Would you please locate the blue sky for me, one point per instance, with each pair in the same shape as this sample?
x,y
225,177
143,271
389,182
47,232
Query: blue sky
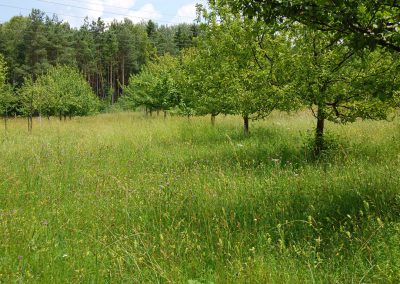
x,y
74,11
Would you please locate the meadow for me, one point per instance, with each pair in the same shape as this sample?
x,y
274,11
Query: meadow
x,y
124,198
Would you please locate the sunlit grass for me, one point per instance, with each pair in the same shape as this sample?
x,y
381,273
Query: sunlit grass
x,y
127,198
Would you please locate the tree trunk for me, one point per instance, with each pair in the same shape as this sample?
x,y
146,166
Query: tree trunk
x,y
5,121
123,71
112,84
319,133
246,124
213,117
109,75
165,114
30,121
102,84
97,85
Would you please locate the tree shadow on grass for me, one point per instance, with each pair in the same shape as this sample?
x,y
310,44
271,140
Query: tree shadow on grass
x,y
264,148
344,219
273,147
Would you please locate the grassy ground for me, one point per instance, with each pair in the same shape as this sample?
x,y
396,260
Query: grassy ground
x,y
123,198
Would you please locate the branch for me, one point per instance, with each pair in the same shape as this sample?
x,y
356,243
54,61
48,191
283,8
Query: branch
x,y
256,59
347,57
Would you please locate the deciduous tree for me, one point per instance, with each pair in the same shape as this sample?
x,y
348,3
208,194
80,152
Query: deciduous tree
x,y
7,98
341,84
367,23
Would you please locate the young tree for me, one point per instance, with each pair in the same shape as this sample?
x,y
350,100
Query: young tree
x,y
202,86
153,88
7,98
62,92
28,100
70,92
233,70
340,84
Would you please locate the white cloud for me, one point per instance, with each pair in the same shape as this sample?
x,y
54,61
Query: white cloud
x,y
74,11
106,9
188,13
185,14
93,10
110,10
120,3
145,13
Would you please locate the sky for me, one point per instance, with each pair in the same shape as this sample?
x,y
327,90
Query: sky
x,y
74,11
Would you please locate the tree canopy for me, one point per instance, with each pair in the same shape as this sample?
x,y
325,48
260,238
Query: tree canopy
x,y
62,92
7,98
234,70
154,87
368,23
339,84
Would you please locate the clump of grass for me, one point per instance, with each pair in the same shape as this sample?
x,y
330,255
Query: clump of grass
x,y
122,198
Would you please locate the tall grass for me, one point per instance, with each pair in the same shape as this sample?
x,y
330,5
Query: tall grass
x,y
124,198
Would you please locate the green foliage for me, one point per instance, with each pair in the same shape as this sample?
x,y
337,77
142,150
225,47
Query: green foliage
x,y
154,88
346,84
3,72
13,48
185,35
235,70
368,23
28,100
244,67
7,98
171,39
62,92
106,54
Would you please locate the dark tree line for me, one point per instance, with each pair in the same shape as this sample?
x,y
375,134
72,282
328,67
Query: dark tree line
x,y
106,54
